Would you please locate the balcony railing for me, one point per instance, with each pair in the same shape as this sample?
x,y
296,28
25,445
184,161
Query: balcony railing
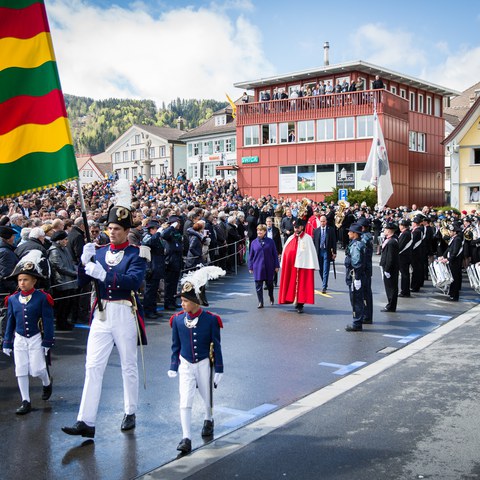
x,y
322,106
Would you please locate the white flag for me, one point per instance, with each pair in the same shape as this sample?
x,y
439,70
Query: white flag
x,y
377,170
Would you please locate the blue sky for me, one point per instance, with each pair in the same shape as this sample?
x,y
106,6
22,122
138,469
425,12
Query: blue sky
x,y
163,50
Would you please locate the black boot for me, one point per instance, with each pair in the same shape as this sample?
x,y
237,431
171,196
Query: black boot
x,y
24,408
47,391
185,445
128,422
207,430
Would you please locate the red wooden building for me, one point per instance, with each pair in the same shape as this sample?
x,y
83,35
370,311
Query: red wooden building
x,y
299,146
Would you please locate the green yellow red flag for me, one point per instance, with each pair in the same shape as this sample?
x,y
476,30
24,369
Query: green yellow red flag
x,y
36,147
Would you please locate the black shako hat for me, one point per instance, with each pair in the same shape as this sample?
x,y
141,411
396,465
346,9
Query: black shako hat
x,y
120,213
299,222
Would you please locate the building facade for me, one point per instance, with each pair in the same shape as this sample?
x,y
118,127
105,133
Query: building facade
x,y
211,147
90,170
299,145
148,151
463,147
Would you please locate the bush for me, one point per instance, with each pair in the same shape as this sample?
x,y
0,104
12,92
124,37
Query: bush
x,y
369,195
445,208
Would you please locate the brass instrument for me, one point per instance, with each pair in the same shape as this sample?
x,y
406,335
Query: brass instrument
x,y
302,209
340,213
468,234
444,230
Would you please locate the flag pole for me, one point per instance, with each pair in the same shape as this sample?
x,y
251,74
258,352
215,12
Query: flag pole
x,y
89,239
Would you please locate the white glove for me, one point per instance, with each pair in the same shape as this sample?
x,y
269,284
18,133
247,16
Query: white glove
x,y
387,275
95,270
172,373
87,253
357,284
45,350
217,378
174,224
7,351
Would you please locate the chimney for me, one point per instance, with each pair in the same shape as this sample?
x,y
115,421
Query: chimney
x,y
180,123
326,47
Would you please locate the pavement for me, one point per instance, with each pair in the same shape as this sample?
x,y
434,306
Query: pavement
x,y
411,415
300,398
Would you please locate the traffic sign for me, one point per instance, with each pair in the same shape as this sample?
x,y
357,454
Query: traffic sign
x,y
342,194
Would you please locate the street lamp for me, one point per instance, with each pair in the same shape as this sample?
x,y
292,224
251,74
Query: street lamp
x,y
343,176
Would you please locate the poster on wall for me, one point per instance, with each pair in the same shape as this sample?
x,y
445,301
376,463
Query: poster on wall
x,y
306,179
288,182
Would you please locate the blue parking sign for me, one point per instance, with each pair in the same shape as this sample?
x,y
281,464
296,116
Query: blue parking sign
x,y
342,194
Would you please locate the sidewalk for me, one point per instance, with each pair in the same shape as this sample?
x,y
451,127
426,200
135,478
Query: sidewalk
x,y
412,414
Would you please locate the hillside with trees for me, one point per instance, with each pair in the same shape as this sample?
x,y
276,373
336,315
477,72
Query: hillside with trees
x,y
97,123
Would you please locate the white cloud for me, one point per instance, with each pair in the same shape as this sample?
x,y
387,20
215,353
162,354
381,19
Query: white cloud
x,y
383,46
185,52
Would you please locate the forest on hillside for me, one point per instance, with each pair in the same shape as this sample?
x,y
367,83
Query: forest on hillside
x,y
96,124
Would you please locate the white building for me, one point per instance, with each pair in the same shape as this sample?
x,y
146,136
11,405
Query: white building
x,y
148,151
212,147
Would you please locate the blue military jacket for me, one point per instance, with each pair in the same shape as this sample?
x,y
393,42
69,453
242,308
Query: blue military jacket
x,y
24,311
355,260
367,240
193,344
125,273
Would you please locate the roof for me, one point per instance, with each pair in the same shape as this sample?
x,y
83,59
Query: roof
x,y
466,122
102,167
209,127
451,119
459,106
168,133
343,68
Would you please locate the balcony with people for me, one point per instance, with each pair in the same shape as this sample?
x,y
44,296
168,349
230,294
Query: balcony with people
x,y
308,105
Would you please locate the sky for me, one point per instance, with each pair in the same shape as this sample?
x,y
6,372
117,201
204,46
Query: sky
x,y
161,50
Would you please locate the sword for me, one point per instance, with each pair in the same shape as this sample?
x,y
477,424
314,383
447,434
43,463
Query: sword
x,y
211,357
334,268
139,335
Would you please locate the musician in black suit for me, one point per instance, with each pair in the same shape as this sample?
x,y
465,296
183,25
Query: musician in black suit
x,y
454,256
418,254
389,261
324,239
274,233
405,243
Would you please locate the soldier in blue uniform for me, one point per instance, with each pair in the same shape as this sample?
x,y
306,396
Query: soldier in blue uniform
x,y
195,340
367,240
355,276
29,312
119,270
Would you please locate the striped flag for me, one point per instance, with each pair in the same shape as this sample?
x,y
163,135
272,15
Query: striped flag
x,y
232,104
36,147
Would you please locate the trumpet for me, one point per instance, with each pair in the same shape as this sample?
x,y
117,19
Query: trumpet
x,y
340,214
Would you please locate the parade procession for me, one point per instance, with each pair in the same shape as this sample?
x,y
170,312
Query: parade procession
x,y
223,293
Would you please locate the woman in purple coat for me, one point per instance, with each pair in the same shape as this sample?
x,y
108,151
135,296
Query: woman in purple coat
x,y
263,263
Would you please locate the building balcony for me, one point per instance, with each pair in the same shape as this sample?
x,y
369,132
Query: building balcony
x,y
322,106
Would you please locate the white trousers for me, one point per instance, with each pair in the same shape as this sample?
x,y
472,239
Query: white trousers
x,y
191,375
29,357
118,328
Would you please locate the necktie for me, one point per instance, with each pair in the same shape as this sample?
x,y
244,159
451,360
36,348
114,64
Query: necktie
x,y
322,239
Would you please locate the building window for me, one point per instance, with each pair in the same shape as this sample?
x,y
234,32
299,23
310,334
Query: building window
x,y
420,103
345,128
117,157
287,132
196,149
476,156
421,142
325,129
152,170
250,135
152,152
189,149
365,126
437,107
230,145
403,93
220,120
136,139
143,151
163,151
429,105
125,173
269,133
412,101
208,147
125,156
412,141
306,131
393,90
134,172
133,156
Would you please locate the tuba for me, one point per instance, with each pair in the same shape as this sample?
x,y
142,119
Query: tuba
x,y
302,209
340,214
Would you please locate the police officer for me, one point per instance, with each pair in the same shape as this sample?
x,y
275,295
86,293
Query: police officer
x,y
367,240
405,256
355,276
389,261
119,270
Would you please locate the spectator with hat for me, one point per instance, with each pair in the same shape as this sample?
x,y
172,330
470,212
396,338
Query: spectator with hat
x,y
64,274
389,262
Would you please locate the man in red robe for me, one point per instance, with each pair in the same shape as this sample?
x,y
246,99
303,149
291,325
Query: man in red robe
x,y
299,262
313,221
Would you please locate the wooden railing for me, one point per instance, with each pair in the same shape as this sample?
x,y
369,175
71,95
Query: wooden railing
x,y
321,106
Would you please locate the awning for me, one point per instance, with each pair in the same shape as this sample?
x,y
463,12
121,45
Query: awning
x,y
226,167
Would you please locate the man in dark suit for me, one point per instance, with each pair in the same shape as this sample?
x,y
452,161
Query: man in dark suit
x,y
325,243
274,233
405,243
389,261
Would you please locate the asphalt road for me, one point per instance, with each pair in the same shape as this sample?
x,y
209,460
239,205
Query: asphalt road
x,y
273,357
